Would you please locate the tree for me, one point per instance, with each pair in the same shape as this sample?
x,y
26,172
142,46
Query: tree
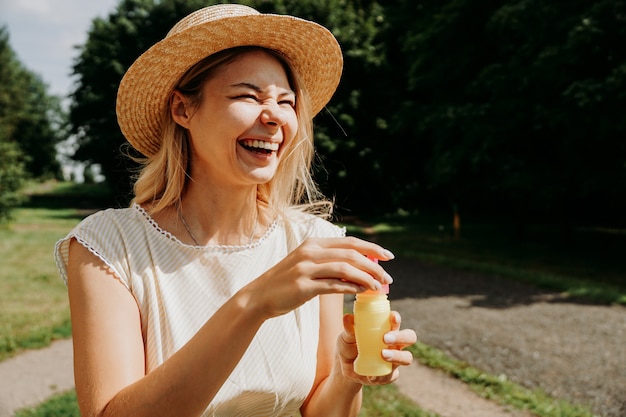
x,y
518,105
14,105
30,118
12,176
112,46
114,43
40,128
508,107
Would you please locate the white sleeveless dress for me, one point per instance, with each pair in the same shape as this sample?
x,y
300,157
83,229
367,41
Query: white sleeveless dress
x,y
178,287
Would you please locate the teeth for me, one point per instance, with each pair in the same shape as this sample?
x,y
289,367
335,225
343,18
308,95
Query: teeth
x,y
271,146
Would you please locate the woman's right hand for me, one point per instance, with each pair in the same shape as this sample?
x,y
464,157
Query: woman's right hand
x,y
319,266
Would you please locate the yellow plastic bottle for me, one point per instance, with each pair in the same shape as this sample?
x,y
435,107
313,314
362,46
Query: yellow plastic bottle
x,y
372,312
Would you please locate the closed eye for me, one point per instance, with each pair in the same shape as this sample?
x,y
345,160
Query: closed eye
x,y
291,103
245,97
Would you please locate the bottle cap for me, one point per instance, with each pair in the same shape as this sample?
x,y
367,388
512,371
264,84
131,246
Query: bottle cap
x,y
384,289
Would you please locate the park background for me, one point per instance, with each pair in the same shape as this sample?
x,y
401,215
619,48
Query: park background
x,y
486,132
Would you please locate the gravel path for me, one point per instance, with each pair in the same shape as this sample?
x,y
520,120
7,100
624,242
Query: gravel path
x,y
572,350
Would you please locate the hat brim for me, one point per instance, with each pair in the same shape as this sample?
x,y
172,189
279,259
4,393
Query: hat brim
x,y
311,50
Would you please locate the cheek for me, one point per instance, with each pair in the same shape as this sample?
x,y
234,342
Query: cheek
x,y
291,127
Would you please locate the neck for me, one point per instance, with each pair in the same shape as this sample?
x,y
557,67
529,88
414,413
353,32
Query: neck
x,y
219,218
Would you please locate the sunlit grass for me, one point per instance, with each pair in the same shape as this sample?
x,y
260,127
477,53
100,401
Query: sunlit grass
x,y
387,401
588,265
62,405
33,297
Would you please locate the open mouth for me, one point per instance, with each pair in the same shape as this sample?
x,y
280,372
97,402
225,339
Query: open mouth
x,y
259,146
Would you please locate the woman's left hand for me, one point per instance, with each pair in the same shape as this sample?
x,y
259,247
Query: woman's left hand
x,y
396,341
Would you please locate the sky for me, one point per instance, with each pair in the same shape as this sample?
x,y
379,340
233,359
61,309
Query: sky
x,y
44,33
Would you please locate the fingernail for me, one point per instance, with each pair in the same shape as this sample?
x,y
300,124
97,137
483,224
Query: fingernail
x,y
389,338
388,254
387,354
377,286
388,278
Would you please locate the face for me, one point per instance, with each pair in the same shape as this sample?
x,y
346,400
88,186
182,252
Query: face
x,y
245,120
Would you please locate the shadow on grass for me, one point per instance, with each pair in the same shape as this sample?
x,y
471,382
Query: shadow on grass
x,y
494,269
82,199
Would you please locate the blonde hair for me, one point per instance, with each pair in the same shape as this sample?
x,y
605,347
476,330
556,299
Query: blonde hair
x,y
163,177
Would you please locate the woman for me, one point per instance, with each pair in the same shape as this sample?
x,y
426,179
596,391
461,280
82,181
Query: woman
x,y
218,292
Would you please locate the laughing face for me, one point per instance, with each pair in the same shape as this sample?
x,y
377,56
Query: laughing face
x,y
245,120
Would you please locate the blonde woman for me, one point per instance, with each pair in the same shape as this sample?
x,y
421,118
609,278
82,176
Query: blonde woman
x,y
219,292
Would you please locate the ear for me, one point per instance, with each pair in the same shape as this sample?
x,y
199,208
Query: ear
x,y
179,109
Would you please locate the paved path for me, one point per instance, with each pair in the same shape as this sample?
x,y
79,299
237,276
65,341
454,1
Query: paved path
x,y
34,376
433,390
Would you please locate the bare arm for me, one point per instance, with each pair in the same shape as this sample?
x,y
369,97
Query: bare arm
x,y
109,351
332,394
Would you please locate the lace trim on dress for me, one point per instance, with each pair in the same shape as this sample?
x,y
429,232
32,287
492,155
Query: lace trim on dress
x,y
61,264
216,248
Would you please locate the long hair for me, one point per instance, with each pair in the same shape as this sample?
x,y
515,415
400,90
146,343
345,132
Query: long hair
x,y
163,177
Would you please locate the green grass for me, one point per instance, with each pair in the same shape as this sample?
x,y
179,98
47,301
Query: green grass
x,y
33,297
62,405
588,264
387,401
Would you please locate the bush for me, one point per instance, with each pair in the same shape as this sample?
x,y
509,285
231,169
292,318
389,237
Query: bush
x,y
12,176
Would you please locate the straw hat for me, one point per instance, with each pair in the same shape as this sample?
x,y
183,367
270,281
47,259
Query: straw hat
x,y
143,95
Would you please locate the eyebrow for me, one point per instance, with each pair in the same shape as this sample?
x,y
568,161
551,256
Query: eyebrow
x,y
259,89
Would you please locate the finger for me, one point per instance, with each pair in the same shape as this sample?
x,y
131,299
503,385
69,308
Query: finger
x,y
364,247
400,339
348,326
361,264
347,342
352,264
353,243
382,380
395,320
345,271
334,285
398,357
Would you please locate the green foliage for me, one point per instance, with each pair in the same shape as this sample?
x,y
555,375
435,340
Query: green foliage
x,y
63,405
29,116
12,176
517,105
112,46
499,107
588,266
32,295
385,400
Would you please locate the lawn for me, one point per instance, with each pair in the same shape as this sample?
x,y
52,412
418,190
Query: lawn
x,y
585,262
33,297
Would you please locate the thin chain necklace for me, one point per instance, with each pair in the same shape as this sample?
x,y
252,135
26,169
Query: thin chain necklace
x,y
188,229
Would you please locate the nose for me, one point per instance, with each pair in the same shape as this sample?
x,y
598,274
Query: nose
x,y
273,115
